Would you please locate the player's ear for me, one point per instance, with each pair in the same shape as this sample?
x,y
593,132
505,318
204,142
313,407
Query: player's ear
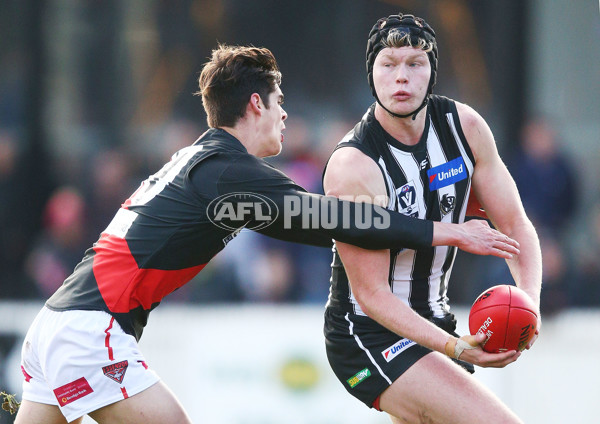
x,y
256,104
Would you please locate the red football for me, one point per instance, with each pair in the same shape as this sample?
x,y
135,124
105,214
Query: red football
x,y
507,315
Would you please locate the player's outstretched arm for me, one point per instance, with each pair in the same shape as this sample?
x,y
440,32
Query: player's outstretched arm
x,y
313,219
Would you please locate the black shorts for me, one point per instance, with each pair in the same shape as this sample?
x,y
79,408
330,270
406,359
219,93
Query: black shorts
x,y
367,358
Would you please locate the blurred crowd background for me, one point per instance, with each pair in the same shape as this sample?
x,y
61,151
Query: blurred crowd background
x,y
96,95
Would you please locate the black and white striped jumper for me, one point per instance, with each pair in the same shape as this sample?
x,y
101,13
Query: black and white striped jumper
x,y
429,180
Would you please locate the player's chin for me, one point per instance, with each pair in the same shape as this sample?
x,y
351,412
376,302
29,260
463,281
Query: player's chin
x,y
274,150
403,108
278,147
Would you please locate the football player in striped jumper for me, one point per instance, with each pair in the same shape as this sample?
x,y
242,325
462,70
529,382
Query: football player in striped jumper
x,y
390,335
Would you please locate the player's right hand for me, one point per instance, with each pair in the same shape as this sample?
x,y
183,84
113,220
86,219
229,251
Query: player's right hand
x,y
479,238
479,357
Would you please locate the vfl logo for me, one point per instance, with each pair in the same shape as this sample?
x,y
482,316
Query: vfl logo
x,y
407,200
447,204
116,372
234,211
447,173
396,349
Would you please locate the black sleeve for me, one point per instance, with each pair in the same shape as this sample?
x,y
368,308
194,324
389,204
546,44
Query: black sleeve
x,y
285,211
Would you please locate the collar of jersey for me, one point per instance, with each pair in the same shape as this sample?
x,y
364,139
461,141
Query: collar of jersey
x,y
422,144
222,137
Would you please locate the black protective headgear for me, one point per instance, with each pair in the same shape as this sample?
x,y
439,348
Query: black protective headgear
x,y
408,24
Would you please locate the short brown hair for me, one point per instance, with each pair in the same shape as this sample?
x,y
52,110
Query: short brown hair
x,y
231,76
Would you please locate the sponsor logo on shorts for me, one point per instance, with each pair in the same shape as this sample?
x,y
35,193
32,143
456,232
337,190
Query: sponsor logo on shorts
x,y
396,349
116,372
447,173
359,377
72,391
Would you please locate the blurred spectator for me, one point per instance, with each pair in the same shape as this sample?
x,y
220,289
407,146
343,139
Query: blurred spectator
x,y
61,244
545,177
111,184
585,290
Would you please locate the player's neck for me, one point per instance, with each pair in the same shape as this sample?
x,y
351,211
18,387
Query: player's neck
x,y
244,133
405,130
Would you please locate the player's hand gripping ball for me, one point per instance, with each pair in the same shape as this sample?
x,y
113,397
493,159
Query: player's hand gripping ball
x,y
506,315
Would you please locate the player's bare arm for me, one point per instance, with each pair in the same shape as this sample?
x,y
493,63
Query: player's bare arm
x,y
367,270
498,194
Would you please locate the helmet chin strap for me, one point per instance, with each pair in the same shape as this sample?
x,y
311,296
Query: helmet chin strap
x,y
397,115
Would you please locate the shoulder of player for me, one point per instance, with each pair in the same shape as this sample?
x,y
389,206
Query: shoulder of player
x,y
476,130
349,170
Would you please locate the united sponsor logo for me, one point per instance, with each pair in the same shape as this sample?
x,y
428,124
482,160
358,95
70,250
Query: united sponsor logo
x,y
116,372
72,391
396,349
447,173
358,378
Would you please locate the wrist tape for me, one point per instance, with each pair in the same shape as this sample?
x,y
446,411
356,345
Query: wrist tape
x,y
455,347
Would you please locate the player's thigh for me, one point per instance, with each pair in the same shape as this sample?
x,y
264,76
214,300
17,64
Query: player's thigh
x,y
34,413
435,390
155,405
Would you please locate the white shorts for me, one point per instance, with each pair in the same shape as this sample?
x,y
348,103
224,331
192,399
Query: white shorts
x,y
81,361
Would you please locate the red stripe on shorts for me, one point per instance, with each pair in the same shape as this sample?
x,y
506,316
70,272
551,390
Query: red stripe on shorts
x,y
107,340
376,403
28,377
125,395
